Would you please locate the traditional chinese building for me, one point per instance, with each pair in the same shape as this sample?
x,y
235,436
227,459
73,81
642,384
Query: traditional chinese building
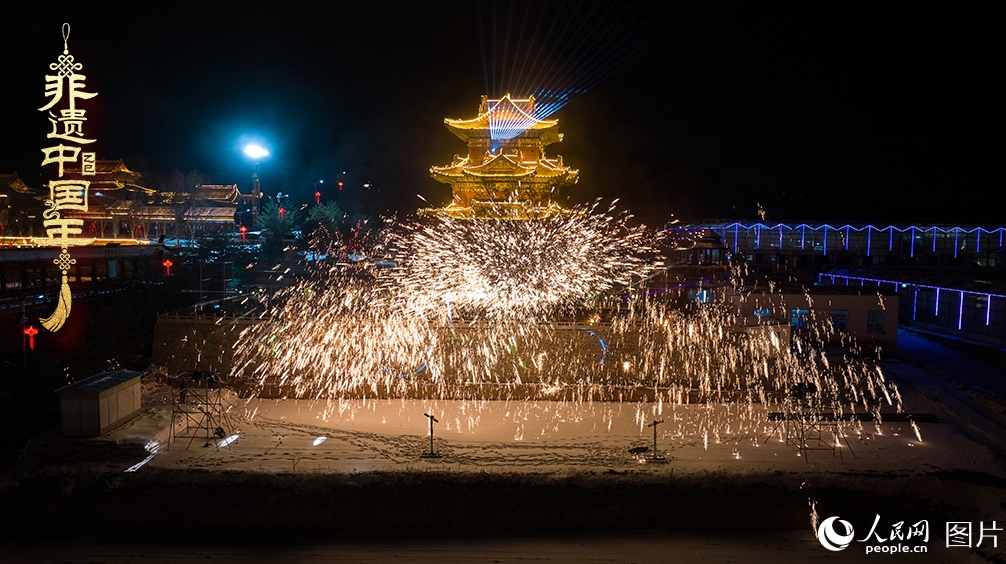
x,y
505,173
20,210
120,204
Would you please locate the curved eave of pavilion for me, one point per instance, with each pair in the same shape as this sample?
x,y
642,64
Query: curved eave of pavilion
x,y
557,173
446,174
483,174
449,173
478,128
503,164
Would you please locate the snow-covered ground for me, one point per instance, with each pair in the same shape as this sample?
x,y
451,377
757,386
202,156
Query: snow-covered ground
x,y
955,469
293,436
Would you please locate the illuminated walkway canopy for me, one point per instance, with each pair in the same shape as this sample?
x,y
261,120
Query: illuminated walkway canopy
x,y
975,244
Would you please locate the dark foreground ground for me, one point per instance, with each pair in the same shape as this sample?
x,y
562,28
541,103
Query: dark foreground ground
x,y
643,548
51,513
183,516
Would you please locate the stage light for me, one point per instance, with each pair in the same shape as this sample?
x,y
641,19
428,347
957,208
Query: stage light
x,y
228,441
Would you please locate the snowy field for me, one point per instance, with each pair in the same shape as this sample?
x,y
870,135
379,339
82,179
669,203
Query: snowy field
x,y
293,436
559,461
296,436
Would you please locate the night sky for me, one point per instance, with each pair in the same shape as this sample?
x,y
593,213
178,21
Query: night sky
x,y
836,111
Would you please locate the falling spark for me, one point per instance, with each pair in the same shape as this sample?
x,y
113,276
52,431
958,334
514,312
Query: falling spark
x,y
495,309
814,519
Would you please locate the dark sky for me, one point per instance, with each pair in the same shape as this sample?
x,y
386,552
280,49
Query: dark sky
x,y
818,111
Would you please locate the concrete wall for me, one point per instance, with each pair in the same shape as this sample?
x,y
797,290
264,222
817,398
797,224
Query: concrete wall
x,y
780,306
90,414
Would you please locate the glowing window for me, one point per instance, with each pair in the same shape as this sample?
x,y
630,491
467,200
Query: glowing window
x,y
799,317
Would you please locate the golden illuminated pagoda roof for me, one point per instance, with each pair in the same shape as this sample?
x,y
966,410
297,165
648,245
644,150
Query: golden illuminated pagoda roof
x,y
504,166
14,182
220,193
111,175
505,173
517,112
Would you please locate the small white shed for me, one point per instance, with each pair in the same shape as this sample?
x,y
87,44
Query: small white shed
x,y
97,404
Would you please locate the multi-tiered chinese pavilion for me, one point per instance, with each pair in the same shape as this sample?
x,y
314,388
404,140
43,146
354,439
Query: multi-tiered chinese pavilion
x,y
505,174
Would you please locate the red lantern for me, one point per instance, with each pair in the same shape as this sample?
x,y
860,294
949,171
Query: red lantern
x,y
167,266
31,332
340,186
243,231
317,197
282,213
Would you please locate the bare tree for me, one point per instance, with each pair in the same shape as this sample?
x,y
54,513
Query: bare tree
x,y
184,182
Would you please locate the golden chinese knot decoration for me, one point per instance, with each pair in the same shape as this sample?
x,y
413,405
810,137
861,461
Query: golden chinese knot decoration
x,y
66,85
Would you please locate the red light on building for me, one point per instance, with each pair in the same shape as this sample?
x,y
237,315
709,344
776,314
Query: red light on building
x,y
167,266
340,186
244,230
31,332
317,197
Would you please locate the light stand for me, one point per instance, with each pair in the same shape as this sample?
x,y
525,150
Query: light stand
x,y
431,454
656,457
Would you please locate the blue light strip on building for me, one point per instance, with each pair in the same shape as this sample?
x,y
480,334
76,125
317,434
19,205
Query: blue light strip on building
x,y
915,297
848,228
960,312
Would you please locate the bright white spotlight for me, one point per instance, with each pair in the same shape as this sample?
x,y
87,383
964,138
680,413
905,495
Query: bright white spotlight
x,y
256,151
228,441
